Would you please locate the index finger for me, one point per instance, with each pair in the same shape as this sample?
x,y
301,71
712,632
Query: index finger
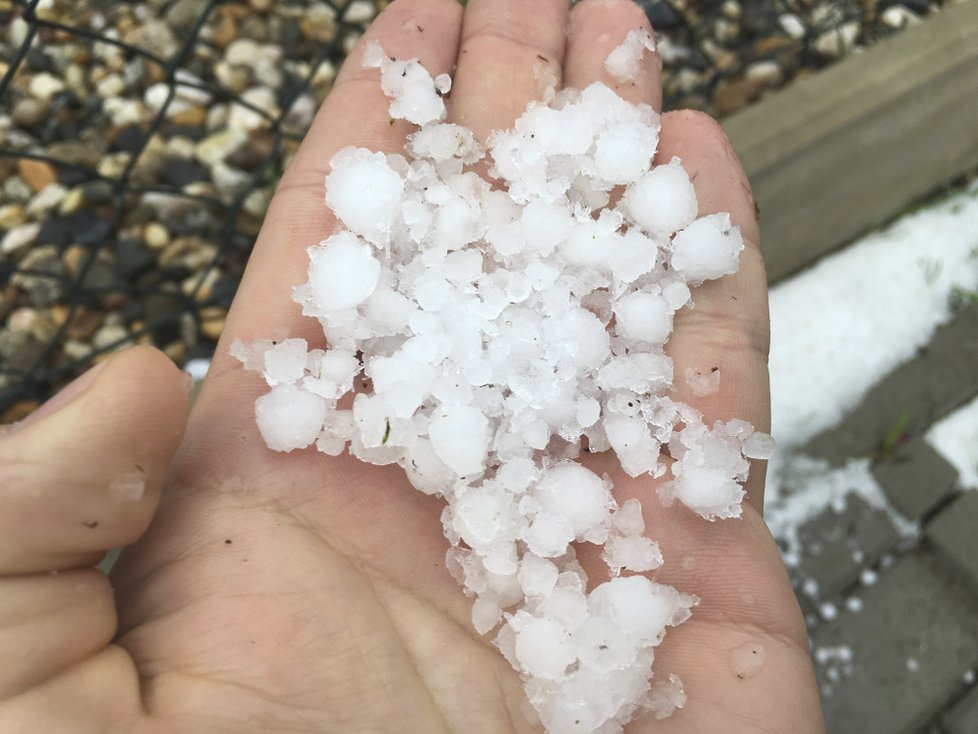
x,y
728,326
355,113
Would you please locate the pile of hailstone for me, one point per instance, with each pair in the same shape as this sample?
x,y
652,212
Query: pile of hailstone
x,y
486,331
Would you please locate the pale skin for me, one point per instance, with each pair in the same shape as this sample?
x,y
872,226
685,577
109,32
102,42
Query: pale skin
x,y
296,592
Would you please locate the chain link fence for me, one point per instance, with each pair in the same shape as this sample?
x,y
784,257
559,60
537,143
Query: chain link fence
x,y
140,144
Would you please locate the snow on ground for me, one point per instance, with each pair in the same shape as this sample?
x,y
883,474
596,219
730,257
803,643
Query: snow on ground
x,y
956,437
842,325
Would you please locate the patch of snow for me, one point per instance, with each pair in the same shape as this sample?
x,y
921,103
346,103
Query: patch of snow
x,y
955,437
890,290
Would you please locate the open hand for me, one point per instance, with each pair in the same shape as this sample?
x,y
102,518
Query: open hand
x,y
300,592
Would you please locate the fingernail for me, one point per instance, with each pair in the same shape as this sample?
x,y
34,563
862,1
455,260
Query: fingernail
x,y
68,393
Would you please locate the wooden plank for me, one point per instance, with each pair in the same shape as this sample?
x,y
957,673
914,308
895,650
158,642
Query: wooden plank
x,y
838,153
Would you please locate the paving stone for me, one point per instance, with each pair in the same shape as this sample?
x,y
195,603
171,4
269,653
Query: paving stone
x,y
839,544
953,531
938,380
963,716
915,478
909,645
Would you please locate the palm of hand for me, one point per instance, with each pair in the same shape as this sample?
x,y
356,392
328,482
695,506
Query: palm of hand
x,y
333,611
296,592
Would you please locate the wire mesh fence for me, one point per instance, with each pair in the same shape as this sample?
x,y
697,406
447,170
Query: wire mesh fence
x,y
140,144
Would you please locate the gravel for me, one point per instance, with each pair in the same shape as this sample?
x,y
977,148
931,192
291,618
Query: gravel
x,y
131,195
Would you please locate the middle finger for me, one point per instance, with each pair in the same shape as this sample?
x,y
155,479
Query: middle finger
x,y
512,53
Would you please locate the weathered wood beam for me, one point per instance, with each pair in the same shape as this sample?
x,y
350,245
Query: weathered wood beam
x,y
836,154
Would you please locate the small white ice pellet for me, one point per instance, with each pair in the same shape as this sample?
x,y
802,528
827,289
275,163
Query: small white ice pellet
x,y
289,418
576,493
342,273
544,648
624,63
707,249
662,201
644,317
460,438
707,490
364,192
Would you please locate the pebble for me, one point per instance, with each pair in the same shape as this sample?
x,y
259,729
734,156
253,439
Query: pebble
x,y
732,94
223,30
200,288
19,237
217,117
256,203
21,319
110,336
212,322
229,181
192,116
29,111
74,258
178,146
233,78
37,174
11,215
124,112
16,189
111,86
72,202
132,258
43,327
897,16
17,31
246,118
767,73
792,25
184,13
84,325
46,200
319,23
45,85
156,236
217,147
41,275
155,37
360,12
837,41
300,115
181,171
177,351
76,153
189,252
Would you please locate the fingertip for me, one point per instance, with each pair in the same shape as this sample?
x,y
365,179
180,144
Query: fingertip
x,y
709,158
87,476
595,29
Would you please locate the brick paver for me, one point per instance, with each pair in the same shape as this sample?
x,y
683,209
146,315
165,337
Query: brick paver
x,y
963,716
915,478
939,380
911,643
838,545
954,531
